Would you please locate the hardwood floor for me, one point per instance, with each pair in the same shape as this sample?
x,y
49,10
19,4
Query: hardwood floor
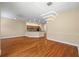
x,y
34,47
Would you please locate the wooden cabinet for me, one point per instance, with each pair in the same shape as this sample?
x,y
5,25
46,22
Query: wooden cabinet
x,y
33,28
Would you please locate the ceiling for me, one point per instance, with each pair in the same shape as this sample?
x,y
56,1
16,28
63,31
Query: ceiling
x,y
31,11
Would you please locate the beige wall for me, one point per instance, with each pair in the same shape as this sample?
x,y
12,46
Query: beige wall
x,y
0,33
12,27
0,25
65,28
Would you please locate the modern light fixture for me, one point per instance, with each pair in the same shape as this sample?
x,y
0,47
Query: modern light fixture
x,y
50,12
49,16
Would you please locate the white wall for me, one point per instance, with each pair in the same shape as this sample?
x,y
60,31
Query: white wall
x,y
65,28
12,27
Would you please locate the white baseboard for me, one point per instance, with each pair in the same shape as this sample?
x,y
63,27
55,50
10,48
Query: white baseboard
x,y
3,37
66,42
61,41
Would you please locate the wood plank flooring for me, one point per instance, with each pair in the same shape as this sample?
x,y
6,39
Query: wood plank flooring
x,y
36,47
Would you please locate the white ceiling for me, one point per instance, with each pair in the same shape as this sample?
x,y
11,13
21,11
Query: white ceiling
x,y
31,11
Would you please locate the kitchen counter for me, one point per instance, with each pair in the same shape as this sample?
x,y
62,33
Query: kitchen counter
x,y
35,34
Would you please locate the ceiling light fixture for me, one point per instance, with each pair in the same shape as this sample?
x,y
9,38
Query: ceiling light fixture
x,y
47,13
49,3
49,16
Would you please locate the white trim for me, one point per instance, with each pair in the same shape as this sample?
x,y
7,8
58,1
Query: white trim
x,y
49,38
10,36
